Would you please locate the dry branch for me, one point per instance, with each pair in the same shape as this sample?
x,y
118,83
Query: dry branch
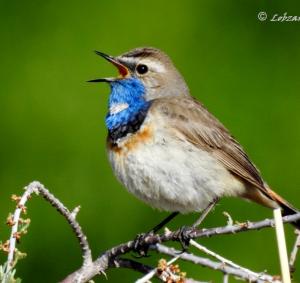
x,y
39,189
112,258
294,251
238,271
102,263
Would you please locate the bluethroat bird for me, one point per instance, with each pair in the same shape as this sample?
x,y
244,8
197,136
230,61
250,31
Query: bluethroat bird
x,y
167,149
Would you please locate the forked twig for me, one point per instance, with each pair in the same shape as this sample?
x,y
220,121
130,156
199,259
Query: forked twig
x,y
39,189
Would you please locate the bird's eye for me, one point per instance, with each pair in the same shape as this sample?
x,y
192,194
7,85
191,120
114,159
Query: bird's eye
x,y
142,69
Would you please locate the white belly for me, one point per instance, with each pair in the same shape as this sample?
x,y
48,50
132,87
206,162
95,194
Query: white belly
x,y
173,175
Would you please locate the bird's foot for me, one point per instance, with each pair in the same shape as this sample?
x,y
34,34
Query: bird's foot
x,y
140,246
184,237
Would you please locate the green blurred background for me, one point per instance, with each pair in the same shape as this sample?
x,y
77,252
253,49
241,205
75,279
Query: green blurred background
x,y
52,122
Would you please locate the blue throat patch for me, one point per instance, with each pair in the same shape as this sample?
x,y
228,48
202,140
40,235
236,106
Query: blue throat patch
x,y
131,92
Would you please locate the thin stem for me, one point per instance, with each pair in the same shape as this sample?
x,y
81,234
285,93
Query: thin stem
x,y
284,262
222,259
14,230
231,229
238,272
39,189
294,251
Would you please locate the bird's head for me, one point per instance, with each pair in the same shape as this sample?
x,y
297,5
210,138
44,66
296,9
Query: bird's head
x,y
144,74
147,69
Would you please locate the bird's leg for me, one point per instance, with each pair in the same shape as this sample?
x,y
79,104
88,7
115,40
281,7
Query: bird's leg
x,y
139,242
164,222
205,212
184,232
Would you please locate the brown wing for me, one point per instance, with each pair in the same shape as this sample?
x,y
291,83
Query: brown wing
x,y
198,126
194,123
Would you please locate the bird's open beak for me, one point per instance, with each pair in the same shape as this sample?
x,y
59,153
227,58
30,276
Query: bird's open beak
x,y
123,70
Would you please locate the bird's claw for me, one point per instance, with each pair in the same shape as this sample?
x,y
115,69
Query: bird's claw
x,y
140,246
184,238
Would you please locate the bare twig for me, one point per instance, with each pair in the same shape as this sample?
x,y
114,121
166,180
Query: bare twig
x,y
111,258
75,211
229,218
39,189
237,228
294,251
251,277
102,263
222,259
15,222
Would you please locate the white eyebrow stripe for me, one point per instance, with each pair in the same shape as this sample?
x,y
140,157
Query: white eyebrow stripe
x,y
154,66
116,108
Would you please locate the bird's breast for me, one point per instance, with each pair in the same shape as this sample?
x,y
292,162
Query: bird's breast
x,y
132,141
167,172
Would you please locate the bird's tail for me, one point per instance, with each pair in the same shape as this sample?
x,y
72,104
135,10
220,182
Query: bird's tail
x,y
287,208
